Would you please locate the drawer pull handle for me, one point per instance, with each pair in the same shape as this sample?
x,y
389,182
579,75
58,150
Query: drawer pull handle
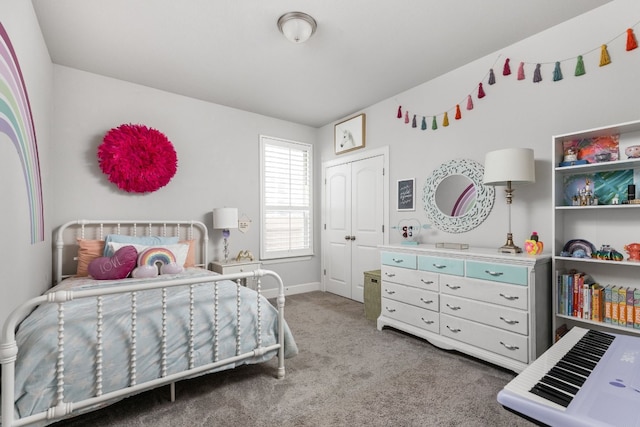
x,y
439,266
389,291
427,282
456,330
390,274
397,261
509,322
509,346
509,297
390,310
428,322
494,273
454,307
454,287
426,301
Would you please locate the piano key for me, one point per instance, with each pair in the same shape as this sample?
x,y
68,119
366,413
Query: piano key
x,y
556,383
551,394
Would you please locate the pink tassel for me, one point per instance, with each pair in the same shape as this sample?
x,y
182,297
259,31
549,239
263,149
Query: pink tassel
x,y
469,103
406,117
521,71
399,111
481,93
506,70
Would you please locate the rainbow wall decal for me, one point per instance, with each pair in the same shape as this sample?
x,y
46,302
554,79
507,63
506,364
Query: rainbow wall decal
x,y
465,202
16,121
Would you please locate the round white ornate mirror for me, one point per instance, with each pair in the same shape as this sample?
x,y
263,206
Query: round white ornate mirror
x,y
455,199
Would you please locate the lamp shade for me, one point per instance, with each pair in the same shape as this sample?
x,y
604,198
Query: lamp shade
x,y
225,218
509,164
297,26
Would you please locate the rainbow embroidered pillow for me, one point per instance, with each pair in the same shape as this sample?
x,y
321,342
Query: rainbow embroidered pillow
x,y
114,267
156,260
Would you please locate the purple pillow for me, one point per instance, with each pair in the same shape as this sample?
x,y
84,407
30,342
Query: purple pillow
x,y
117,266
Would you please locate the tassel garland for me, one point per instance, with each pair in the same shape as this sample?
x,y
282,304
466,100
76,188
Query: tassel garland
x,y
632,43
580,67
506,70
537,75
557,72
605,59
521,71
481,93
604,56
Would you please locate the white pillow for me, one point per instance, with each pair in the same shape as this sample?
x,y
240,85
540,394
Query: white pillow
x,y
180,250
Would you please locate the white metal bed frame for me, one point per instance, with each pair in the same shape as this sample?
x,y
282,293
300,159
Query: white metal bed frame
x,y
62,409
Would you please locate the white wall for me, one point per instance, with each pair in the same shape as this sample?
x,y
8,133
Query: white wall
x,y
513,114
25,267
218,159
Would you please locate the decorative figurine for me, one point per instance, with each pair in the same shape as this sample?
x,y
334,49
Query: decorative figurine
x,y
533,246
606,252
632,152
570,154
615,200
633,249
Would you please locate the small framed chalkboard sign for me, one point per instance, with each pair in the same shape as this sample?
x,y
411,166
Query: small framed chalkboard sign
x,y
407,194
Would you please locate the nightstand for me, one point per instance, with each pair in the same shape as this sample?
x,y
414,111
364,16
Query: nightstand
x,y
233,266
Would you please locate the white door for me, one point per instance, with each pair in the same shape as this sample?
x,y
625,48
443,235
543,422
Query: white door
x,y
354,218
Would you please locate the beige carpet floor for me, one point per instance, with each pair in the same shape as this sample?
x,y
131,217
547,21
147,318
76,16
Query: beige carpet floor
x,y
347,374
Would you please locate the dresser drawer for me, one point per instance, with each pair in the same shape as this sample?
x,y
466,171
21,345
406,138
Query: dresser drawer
x,y
488,314
415,278
418,317
513,296
398,259
504,273
497,341
414,296
441,265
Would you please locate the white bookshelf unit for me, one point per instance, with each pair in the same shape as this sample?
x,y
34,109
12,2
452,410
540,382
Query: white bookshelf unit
x,y
605,223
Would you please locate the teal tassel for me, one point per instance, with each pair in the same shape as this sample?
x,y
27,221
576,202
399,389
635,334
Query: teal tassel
x,y
434,124
424,123
557,72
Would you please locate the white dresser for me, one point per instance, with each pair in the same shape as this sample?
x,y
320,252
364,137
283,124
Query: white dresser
x,y
492,306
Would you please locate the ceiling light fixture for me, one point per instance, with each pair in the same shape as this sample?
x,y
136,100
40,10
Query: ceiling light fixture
x,y
297,26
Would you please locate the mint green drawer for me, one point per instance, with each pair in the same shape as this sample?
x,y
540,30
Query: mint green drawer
x,y
498,272
454,267
399,259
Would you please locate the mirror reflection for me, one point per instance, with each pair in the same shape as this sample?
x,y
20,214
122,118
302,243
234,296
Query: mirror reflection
x,y
456,195
455,199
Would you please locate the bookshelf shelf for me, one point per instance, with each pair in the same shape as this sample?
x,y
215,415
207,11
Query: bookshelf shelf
x,y
606,223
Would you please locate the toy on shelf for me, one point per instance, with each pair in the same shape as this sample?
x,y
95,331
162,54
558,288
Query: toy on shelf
x,y
606,252
533,246
633,249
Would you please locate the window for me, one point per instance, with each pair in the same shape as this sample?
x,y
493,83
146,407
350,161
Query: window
x,y
285,193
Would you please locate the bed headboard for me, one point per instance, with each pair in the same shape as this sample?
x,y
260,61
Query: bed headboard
x,y
66,246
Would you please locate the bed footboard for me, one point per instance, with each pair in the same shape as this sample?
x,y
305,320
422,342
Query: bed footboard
x,y
253,340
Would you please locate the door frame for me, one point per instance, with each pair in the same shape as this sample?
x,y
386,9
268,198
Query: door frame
x,y
361,155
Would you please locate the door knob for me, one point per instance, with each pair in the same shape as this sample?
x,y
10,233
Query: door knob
x,y
347,237
353,237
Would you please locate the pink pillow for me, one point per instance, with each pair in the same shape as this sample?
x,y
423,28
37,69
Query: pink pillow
x,y
115,267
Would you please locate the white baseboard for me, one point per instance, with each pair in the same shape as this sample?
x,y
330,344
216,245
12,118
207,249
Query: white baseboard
x,y
293,289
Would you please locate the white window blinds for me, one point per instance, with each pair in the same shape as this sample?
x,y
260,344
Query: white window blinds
x,y
286,193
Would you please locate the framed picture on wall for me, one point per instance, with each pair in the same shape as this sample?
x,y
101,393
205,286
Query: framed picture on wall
x,y
350,134
406,194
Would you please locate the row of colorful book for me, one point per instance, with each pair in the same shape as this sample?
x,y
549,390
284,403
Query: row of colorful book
x,y
579,296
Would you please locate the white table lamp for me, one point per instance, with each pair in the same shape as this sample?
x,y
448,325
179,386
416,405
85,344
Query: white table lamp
x,y
504,167
225,219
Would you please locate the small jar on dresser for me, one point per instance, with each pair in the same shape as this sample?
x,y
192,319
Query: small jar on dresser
x,y
487,304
